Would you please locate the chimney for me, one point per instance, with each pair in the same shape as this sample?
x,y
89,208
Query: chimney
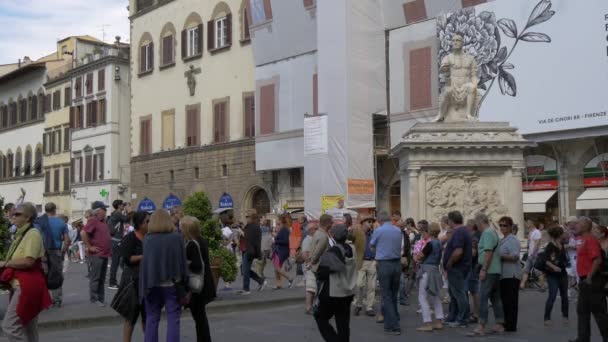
x,y
117,42
26,60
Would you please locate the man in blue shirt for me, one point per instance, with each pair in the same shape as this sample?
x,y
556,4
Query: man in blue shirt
x,y
386,243
58,244
457,259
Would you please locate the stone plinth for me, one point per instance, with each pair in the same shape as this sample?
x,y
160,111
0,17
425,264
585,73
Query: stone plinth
x,y
467,166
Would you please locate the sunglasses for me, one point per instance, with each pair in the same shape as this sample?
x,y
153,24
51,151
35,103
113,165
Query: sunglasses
x,y
502,225
17,214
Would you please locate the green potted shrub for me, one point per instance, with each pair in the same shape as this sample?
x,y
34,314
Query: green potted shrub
x,y
223,263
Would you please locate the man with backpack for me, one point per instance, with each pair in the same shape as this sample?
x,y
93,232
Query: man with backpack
x,y
116,224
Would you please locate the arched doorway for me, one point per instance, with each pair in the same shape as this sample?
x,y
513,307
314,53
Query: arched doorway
x,y
260,202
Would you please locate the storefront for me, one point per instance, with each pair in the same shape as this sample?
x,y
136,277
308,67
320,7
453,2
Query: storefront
x,y
593,202
540,186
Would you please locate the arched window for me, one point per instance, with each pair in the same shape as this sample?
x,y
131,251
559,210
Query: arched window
x,y
27,163
33,107
22,109
1,165
18,163
245,20
167,45
192,37
10,164
40,109
3,116
12,112
38,160
146,54
220,27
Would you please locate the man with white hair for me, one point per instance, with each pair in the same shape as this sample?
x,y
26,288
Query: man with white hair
x,y
98,242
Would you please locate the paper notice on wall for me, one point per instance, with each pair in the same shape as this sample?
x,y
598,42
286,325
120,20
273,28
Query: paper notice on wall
x,y
315,135
361,189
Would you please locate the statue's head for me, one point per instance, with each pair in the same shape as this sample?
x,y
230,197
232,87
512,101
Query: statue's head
x,y
457,42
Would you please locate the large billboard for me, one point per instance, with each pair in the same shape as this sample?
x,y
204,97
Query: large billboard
x,y
543,65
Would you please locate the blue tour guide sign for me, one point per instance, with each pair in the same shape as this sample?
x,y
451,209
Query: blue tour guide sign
x,y
226,201
146,205
171,201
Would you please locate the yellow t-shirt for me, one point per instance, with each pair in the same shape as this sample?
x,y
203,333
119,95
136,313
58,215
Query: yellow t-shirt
x,y
31,245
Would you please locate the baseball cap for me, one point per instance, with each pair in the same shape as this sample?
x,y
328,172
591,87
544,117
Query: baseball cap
x,y
98,205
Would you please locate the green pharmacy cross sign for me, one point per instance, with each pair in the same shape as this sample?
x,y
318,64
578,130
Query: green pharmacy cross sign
x,y
104,193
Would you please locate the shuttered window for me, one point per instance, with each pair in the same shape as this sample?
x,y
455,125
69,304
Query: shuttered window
x,y
47,181
192,41
57,100
414,11
92,114
146,58
89,83
249,110
168,130
468,3
78,87
420,79
223,32
245,33
34,107
267,109
261,11
22,110
13,113
220,117
94,170
67,96
66,179
192,126
88,168
101,80
100,166
167,50
4,114
66,138
101,112
47,103
145,137
56,179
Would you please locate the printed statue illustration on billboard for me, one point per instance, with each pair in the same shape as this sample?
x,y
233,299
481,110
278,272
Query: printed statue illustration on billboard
x,y
490,43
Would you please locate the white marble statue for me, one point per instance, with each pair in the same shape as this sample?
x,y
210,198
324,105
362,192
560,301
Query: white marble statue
x,y
459,99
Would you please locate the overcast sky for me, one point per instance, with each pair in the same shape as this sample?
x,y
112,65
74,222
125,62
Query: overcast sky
x,y
33,27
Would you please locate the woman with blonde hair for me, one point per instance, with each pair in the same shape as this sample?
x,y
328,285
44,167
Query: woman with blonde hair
x,y
202,287
163,276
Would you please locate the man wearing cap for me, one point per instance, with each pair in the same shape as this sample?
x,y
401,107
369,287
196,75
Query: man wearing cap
x,y
116,223
365,294
98,242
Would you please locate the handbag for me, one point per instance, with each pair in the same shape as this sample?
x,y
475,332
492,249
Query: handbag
x,y
196,280
126,301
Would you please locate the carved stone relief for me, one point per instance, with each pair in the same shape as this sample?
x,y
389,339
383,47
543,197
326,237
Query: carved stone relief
x,y
467,192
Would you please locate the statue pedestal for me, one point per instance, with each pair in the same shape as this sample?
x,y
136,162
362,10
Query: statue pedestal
x,y
467,166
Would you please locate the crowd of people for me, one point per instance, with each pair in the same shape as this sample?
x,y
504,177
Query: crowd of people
x,y
341,262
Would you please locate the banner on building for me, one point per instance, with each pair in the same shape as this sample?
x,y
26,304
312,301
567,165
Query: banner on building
x,y
540,173
543,64
596,172
315,135
330,202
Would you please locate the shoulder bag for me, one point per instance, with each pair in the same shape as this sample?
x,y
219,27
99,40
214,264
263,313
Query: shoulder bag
x,y
196,280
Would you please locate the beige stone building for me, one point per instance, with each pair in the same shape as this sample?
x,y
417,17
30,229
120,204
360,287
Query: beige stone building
x,y
192,103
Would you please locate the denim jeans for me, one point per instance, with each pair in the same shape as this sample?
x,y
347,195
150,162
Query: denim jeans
x,y
157,298
248,273
389,274
490,291
557,282
459,300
